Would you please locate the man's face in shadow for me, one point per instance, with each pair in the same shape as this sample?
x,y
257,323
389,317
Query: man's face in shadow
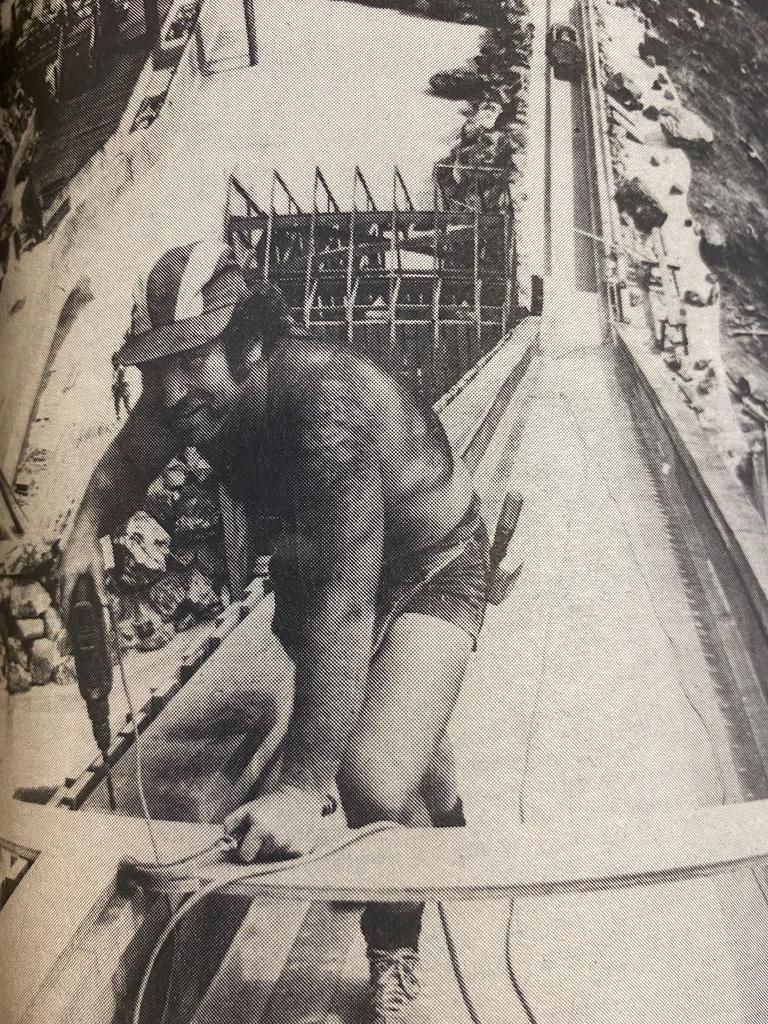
x,y
193,390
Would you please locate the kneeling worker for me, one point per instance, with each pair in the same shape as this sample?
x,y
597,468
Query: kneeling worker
x,y
379,558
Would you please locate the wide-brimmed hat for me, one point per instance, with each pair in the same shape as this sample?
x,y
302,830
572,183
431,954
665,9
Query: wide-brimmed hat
x,y
187,299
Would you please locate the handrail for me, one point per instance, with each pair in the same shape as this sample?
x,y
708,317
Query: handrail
x,y
606,185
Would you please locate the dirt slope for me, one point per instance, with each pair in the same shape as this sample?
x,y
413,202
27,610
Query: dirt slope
x,y
721,70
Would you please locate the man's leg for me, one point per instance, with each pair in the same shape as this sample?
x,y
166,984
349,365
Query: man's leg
x,y
440,790
412,688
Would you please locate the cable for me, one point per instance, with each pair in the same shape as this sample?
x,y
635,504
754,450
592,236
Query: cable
x,y
511,967
456,966
257,871
137,740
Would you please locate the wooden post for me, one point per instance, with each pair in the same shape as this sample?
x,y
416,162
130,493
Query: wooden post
x,y
249,9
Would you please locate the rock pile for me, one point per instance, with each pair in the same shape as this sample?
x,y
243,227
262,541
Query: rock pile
x,y
34,648
493,134
170,570
685,129
169,573
634,197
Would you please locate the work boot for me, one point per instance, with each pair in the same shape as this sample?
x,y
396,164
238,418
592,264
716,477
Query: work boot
x,y
397,995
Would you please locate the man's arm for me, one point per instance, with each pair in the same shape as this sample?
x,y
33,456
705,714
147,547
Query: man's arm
x,y
116,489
329,575
341,521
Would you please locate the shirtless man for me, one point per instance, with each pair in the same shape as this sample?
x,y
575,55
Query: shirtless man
x,y
379,558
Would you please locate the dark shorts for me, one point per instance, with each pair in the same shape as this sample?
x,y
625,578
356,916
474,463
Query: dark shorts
x,y
448,580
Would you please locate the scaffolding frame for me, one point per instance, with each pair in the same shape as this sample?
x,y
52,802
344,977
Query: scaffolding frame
x,y
423,292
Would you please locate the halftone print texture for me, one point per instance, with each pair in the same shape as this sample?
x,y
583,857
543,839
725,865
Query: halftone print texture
x,y
434,544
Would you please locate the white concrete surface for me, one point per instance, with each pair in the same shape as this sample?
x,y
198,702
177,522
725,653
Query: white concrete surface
x,y
593,696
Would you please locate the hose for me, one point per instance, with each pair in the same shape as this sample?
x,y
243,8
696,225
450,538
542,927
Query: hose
x,y
257,871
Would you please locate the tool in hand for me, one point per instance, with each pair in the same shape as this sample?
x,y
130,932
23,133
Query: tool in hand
x,y
88,633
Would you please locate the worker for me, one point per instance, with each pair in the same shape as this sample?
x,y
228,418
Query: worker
x,y
379,559
121,391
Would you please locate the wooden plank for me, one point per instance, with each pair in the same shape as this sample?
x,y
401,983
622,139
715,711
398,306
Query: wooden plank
x,y
450,863
73,967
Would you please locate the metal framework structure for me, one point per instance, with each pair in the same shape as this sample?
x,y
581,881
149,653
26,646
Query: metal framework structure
x,y
425,293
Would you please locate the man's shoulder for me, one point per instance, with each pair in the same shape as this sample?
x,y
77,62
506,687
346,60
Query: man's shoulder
x,y
307,372
326,399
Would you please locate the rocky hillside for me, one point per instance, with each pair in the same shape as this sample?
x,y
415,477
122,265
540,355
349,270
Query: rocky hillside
x,y
718,58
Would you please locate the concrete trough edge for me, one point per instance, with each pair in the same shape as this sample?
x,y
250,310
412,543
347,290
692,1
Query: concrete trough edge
x,y
737,523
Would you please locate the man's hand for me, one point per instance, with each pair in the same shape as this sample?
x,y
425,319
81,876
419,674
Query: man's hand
x,y
82,555
286,823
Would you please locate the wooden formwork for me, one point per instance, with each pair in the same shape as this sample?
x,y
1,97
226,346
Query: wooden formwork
x,y
424,293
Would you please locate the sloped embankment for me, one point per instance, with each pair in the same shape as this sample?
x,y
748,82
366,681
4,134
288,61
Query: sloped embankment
x,y
718,59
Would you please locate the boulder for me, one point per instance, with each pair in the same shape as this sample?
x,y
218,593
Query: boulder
x,y
141,625
29,600
54,630
156,638
160,503
206,556
30,629
654,47
175,474
65,673
193,501
141,551
18,679
199,469
44,659
635,198
25,557
17,653
713,242
625,89
168,595
459,84
482,120
685,129
201,598
189,529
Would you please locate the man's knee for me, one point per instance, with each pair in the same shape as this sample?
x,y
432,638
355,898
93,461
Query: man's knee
x,y
376,785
